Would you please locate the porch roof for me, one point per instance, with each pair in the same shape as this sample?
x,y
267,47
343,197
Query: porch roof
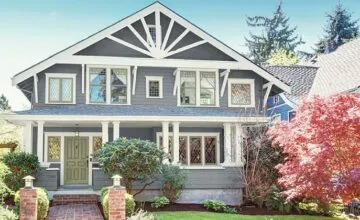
x,y
139,110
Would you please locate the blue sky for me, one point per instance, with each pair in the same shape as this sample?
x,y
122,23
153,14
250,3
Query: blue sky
x,y
34,30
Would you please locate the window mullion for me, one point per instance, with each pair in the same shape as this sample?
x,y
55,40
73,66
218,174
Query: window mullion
x,y
60,90
197,80
202,151
108,85
128,87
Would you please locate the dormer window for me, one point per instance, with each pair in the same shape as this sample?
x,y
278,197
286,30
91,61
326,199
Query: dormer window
x,y
152,31
60,88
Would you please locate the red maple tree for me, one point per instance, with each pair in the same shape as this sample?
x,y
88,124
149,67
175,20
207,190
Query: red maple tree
x,y
322,148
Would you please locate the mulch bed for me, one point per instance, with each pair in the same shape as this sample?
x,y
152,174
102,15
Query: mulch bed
x,y
245,210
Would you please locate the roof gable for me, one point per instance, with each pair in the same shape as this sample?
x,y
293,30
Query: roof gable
x,y
168,45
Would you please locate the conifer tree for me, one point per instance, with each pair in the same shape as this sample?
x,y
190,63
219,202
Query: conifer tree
x,y
4,103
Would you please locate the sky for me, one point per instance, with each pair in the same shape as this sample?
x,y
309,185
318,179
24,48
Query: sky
x,y
30,31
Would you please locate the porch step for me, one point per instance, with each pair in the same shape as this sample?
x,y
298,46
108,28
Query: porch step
x,y
64,199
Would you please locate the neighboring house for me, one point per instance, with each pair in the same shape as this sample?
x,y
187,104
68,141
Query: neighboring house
x,y
339,71
300,78
155,76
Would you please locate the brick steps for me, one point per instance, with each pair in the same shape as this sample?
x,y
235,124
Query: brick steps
x,y
65,199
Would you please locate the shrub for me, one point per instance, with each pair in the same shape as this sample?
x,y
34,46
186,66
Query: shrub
x,y
315,207
275,201
158,202
215,205
133,159
6,214
21,164
142,215
42,202
174,180
230,210
129,202
4,189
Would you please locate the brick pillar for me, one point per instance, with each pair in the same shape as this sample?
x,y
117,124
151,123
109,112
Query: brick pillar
x,y
117,203
28,204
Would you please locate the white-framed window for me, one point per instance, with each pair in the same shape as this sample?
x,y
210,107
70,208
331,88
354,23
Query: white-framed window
x,y
108,85
241,92
291,115
195,149
198,88
154,86
152,31
60,88
276,99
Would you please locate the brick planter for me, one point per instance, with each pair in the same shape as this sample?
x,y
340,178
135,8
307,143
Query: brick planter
x,y
28,204
117,203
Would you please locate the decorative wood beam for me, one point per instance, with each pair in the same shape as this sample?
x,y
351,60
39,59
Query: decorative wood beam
x,y
185,48
177,80
168,32
134,72
267,93
223,73
138,36
226,76
147,32
82,78
158,29
36,80
267,85
130,45
181,36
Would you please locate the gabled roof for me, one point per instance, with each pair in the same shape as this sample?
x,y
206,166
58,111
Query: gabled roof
x,y
300,78
338,71
66,54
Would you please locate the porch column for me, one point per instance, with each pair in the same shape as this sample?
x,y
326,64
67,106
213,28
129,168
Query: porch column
x,y
28,137
165,134
175,142
105,131
116,132
239,144
227,143
40,141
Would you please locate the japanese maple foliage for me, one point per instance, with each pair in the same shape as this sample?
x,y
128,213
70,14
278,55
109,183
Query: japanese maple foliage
x,y
322,147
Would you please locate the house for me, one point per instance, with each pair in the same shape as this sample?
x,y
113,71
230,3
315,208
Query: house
x,y
300,78
152,75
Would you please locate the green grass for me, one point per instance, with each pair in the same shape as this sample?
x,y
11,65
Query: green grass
x,y
213,216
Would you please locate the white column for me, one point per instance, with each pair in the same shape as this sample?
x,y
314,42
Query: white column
x,y
40,141
116,132
28,137
176,142
239,141
165,133
105,131
227,143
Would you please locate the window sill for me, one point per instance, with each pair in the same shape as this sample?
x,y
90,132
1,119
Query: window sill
x,y
149,97
199,106
205,167
60,103
50,169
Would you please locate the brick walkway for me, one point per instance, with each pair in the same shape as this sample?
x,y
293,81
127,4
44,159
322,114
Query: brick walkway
x,y
75,212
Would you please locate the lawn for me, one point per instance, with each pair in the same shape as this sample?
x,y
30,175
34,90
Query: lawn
x,y
213,216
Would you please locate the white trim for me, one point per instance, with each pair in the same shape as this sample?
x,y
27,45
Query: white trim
x,y
181,36
154,78
36,80
187,47
62,136
105,131
276,106
118,40
177,80
116,130
28,137
108,84
242,81
60,76
267,93
274,116
40,141
165,132
134,72
139,37
168,32
226,76
287,101
196,134
158,29
148,35
82,78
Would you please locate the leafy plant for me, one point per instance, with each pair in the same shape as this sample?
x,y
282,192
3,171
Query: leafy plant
x,y
21,164
316,207
42,202
215,205
133,159
129,202
174,180
159,201
4,189
142,215
275,201
6,214
230,210
283,57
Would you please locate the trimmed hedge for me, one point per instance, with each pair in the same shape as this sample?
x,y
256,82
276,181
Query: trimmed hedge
x,y
42,202
129,203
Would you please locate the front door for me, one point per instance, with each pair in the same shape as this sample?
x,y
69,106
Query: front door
x,y
76,160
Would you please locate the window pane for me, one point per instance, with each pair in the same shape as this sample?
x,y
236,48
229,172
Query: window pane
x,y
207,88
119,83
152,31
195,150
97,144
54,148
188,87
183,149
161,146
97,85
240,94
66,90
154,88
210,150
207,80
54,90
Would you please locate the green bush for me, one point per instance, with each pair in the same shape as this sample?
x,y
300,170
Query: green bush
x,y
6,214
21,164
315,207
5,191
129,202
42,202
159,201
275,201
230,210
218,206
142,215
174,180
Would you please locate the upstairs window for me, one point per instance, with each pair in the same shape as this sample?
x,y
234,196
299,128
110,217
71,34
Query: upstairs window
x,y
188,87
241,93
60,88
97,81
207,88
154,87
291,115
119,84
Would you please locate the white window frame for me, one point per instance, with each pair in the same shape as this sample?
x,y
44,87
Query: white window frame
x,y
242,81
108,84
152,26
197,76
202,135
154,78
60,76
289,114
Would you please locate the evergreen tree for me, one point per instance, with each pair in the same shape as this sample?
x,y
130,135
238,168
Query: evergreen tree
x,y
276,34
4,103
339,29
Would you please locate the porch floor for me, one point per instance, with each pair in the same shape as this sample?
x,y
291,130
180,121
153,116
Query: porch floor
x,y
75,212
